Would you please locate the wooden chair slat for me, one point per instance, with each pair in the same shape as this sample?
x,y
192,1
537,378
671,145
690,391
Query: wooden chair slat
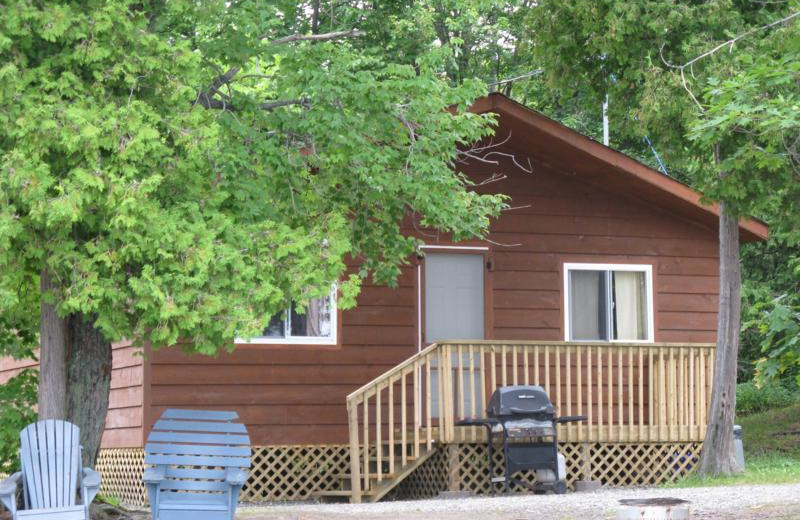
x,y
207,474
73,460
194,485
200,415
56,480
197,460
60,451
199,426
54,513
172,500
197,449
200,438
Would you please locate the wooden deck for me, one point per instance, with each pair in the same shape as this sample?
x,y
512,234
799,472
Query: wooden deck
x,y
642,393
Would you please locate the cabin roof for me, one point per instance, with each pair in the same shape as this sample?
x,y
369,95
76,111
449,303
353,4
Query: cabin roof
x,y
557,145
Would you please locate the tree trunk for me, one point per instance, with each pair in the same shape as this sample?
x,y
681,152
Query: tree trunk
x,y
52,356
718,451
315,17
88,383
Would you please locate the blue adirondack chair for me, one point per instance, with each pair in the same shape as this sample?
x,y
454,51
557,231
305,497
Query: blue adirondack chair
x,y
199,461
51,476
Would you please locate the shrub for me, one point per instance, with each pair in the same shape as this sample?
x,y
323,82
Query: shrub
x,y
750,399
17,410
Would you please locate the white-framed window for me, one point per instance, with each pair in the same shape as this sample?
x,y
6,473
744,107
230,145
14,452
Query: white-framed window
x,y
316,326
608,302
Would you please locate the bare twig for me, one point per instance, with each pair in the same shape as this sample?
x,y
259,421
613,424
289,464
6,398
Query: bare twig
x,y
729,43
419,229
256,76
482,154
515,78
495,177
512,208
463,155
353,33
526,169
207,98
501,244
272,105
133,87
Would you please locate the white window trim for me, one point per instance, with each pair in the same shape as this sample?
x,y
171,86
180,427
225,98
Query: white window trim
x,y
646,268
299,340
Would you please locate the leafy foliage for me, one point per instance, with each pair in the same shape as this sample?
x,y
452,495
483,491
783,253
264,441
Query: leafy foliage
x,y
770,272
17,402
751,399
175,201
667,60
779,326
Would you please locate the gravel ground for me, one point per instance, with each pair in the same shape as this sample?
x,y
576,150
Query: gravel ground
x,y
731,502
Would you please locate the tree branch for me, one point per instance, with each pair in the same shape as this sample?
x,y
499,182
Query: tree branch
x,y
224,104
353,33
682,68
206,97
729,42
271,105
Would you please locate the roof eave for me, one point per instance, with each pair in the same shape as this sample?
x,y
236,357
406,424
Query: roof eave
x,y
750,229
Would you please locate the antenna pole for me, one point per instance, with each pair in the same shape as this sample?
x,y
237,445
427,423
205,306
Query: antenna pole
x,y
605,121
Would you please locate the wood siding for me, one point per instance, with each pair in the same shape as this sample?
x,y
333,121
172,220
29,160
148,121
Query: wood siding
x,y
124,420
296,394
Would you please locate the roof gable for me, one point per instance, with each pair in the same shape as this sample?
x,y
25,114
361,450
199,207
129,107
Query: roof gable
x,y
576,153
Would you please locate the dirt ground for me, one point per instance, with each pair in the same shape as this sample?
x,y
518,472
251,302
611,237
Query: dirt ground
x,y
781,502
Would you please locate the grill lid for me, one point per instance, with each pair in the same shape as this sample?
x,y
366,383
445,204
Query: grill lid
x,y
519,400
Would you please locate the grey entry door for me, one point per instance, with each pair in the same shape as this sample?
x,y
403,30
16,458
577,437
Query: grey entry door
x,y
454,310
453,296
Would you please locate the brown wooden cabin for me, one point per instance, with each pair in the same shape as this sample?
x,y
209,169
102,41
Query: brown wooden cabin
x,y
601,283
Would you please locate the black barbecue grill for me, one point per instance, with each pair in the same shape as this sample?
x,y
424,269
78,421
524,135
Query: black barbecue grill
x,y
523,418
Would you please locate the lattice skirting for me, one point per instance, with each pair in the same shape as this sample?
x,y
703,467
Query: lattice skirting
x,y
278,472
294,472
623,464
121,473
282,473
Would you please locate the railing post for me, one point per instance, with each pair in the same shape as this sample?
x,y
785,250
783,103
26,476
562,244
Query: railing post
x,y
447,417
355,462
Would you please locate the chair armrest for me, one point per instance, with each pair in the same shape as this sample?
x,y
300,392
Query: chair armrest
x,y
8,491
91,478
155,474
90,485
235,476
9,485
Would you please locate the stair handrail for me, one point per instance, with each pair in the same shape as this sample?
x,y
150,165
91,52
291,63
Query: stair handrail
x,y
397,375
393,371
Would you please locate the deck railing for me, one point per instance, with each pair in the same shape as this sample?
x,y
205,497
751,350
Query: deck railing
x,y
655,392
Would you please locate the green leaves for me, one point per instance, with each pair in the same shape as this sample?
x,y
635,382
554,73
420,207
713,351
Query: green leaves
x,y
780,329
17,400
175,223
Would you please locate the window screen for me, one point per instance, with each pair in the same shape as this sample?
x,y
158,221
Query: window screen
x,y
608,304
315,322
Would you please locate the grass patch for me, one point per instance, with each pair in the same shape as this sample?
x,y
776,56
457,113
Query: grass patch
x,y
108,499
763,433
770,456
764,469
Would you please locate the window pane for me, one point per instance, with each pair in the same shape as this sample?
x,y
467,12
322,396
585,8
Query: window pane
x,y
588,314
276,327
316,322
630,306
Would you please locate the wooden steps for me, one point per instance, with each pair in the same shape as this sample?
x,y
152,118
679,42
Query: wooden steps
x,y
377,489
